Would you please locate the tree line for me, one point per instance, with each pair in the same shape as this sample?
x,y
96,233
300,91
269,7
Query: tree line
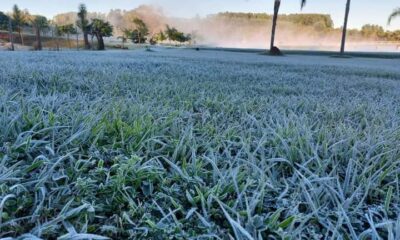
x,y
320,23
140,34
90,28
131,25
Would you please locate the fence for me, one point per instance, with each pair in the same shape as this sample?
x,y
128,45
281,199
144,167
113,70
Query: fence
x,y
48,37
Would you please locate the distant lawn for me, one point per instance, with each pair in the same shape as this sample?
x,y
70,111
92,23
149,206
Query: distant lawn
x,y
383,55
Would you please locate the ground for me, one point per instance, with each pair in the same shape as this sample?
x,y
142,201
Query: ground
x,y
185,144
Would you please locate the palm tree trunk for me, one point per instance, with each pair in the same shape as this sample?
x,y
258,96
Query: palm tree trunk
x,y
10,34
100,42
52,36
38,39
69,43
77,39
21,37
92,41
346,18
274,22
57,41
86,39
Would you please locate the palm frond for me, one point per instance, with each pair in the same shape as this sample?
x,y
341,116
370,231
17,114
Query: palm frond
x,y
303,3
394,14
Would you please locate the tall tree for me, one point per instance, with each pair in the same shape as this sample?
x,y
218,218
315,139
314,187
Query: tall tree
x,y
20,19
174,35
68,30
39,23
344,33
140,33
83,24
277,5
100,29
395,13
4,19
10,34
141,29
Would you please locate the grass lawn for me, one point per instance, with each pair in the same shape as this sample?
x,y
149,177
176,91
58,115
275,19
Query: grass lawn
x,y
184,144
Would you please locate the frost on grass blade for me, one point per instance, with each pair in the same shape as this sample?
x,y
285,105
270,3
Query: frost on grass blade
x,y
186,144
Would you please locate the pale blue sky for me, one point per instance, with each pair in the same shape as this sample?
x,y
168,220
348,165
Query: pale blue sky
x,y
363,11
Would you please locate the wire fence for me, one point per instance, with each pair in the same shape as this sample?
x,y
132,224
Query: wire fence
x,y
27,39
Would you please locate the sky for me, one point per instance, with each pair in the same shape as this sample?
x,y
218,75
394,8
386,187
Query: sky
x,y
362,11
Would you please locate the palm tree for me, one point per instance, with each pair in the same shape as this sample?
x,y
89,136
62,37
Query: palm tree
x,y
100,29
395,13
346,18
83,24
10,34
39,23
20,20
277,5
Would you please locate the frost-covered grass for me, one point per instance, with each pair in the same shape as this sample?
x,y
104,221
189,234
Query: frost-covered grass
x,y
179,144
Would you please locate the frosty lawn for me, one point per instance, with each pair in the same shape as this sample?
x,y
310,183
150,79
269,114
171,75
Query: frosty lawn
x,y
182,144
